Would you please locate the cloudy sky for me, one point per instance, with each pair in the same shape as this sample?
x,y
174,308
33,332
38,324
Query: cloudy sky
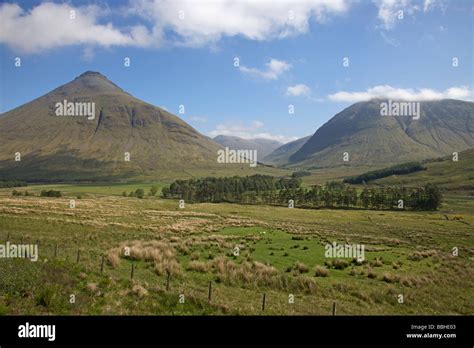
x,y
239,67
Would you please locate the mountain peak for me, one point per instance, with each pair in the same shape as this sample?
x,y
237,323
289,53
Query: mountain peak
x,y
90,83
91,73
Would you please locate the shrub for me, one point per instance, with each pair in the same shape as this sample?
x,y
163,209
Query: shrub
x,y
140,193
297,238
153,190
50,193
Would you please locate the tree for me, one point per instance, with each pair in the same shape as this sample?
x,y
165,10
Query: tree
x,y
433,197
140,193
153,190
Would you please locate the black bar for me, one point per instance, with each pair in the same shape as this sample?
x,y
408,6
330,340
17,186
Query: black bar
x,y
262,329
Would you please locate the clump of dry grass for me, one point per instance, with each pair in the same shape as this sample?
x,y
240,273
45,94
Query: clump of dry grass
x,y
340,264
113,258
139,290
419,255
390,278
195,256
301,267
93,288
371,274
256,274
183,249
321,271
198,266
162,254
377,262
396,264
166,266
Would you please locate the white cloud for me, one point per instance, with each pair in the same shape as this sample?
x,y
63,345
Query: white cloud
x,y
274,68
198,119
389,92
197,23
298,90
428,4
88,54
254,131
388,11
186,22
49,25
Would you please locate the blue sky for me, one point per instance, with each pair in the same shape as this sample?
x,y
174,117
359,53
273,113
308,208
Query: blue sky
x,y
285,58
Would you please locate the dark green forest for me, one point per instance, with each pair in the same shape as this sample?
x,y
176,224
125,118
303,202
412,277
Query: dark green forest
x,y
400,169
263,189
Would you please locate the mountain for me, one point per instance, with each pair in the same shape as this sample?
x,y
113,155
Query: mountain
x,y
77,148
280,155
263,146
443,127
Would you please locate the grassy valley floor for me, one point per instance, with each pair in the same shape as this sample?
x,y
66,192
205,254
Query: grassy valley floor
x,y
177,252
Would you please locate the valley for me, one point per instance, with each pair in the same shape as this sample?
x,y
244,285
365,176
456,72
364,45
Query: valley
x,y
282,253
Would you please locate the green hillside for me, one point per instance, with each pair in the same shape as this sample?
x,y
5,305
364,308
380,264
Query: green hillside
x,y
280,155
77,148
443,127
446,173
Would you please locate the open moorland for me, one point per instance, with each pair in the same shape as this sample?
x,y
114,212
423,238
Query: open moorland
x,y
125,255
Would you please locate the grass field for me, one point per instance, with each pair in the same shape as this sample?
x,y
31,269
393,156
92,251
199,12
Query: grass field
x,y
281,254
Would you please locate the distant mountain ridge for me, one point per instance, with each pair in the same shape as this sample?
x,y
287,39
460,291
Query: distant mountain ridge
x,y
444,126
263,146
280,155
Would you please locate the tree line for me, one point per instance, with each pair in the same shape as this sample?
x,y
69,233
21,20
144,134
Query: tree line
x,y
400,169
263,189
12,183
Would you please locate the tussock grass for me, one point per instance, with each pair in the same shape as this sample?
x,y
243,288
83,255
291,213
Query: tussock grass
x,y
321,271
390,278
198,266
420,255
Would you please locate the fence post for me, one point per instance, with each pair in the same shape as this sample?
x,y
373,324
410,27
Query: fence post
x,y
334,308
102,265
131,273
263,302
210,291
55,250
78,256
168,280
